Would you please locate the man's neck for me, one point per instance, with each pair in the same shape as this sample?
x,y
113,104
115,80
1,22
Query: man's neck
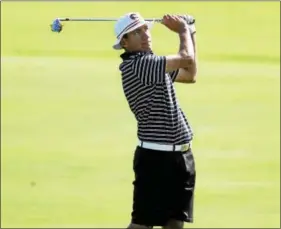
x,y
137,50
128,54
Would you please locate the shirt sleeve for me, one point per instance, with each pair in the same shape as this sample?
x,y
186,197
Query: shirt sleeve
x,y
151,69
174,74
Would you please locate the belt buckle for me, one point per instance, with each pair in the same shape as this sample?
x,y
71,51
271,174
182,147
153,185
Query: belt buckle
x,y
184,147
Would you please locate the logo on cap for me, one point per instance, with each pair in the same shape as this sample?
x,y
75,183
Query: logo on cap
x,y
133,16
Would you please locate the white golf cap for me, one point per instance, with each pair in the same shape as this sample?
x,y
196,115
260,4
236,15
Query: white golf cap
x,y
127,23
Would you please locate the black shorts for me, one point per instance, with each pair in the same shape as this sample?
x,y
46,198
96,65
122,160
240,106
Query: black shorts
x,y
163,187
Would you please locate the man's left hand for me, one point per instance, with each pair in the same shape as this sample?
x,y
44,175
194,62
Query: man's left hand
x,y
190,20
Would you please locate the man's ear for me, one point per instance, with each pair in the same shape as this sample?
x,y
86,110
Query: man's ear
x,y
123,42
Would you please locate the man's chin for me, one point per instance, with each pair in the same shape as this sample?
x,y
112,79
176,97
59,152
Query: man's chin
x,y
147,48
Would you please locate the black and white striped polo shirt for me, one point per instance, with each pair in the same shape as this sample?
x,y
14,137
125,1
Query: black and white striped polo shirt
x,y
151,97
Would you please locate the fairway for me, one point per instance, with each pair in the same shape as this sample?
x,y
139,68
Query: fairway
x,y
68,136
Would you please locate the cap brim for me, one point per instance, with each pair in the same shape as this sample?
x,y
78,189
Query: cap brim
x,y
117,45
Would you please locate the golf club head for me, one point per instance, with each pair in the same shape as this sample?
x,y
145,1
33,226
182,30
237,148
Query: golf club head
x,y
56,26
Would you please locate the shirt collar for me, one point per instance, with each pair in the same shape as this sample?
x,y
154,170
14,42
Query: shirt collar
x,y
128,55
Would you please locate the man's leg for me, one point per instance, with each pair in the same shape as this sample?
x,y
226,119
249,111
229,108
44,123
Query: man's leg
x,y
142,198
183,195
174,224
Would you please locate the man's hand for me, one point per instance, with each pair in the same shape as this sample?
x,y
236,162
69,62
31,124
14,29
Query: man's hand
x,y
175,23
190,20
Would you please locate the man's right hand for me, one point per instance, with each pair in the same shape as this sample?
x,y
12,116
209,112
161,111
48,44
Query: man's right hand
x,y
175,23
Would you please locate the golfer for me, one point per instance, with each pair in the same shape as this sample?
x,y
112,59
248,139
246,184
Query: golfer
x,y
163,160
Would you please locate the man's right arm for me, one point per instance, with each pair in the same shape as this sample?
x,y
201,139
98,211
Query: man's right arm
x,y
183,65
183,59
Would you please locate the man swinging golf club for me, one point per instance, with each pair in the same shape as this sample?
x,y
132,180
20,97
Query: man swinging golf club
x,y
163,160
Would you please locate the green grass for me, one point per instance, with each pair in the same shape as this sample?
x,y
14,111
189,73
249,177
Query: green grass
x,y
68,136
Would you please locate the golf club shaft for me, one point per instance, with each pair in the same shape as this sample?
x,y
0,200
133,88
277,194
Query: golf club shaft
x,y
102,19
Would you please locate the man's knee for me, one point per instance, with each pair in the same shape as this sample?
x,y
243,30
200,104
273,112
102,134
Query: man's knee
x,y
137,226
174,224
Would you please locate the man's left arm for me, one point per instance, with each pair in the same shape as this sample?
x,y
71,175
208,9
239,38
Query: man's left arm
x,y
188,75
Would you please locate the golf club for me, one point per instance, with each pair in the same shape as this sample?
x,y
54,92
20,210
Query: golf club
x,y
56,26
